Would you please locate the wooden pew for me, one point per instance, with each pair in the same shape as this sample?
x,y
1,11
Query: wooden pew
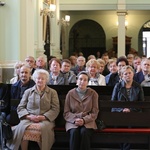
x,y
117,124
133,127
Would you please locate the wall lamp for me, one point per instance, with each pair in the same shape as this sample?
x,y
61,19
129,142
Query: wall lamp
x,y
2,3
64,21
49,11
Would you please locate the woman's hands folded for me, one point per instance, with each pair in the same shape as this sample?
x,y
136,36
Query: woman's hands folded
x,y
36,118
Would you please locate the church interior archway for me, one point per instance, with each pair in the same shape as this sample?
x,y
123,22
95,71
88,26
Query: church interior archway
x,y
88,37
144,40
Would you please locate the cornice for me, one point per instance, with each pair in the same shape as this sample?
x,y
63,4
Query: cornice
x,y
64,7
7,64
73,7
138,6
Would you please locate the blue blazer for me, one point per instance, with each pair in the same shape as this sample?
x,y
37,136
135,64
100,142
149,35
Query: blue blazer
x,y
139,77
16,92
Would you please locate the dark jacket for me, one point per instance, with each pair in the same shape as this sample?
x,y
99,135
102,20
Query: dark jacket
x,y
60,80
17,92
77,69
120,94
139,77
4,98
113,79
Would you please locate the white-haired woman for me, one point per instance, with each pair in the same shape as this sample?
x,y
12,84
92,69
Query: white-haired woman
x,y
96,78
37,111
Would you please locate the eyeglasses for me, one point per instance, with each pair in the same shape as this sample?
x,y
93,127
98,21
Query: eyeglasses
x,y
29,61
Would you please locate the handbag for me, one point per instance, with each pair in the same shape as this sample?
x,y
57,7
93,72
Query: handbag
x,y
7,131
100,124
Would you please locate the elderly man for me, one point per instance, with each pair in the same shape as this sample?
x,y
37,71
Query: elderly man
x,y
41,63
24,83
137,64
17,91
145,71
80,65
30,61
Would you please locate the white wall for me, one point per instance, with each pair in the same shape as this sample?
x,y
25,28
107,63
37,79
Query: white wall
x,y
9,31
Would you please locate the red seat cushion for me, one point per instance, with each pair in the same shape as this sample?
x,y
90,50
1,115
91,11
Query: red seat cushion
x,y
126,130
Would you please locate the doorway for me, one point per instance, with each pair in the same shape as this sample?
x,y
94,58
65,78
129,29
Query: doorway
x,y
88,37
144,40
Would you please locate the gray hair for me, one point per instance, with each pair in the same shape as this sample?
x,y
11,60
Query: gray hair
x,y
92,61
145,60
40,71
81,58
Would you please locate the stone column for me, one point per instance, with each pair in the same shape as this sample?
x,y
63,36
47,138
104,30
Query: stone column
x,y
121,27
39,43
55,33
121,33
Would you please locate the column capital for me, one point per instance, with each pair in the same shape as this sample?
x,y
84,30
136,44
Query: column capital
x,y
122,13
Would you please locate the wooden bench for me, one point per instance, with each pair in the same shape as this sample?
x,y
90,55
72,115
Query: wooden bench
x,y
120,127
131,127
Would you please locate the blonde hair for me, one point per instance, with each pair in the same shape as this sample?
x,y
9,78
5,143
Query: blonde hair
x,y
16,65
110,62
101,61
92,61
124,68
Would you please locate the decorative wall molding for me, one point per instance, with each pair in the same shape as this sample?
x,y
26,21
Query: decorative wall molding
x,y
121,13
110,6
147,25
7,64
68,7
138,6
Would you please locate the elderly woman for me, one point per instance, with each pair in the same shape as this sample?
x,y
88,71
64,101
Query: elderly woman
x,y
17,67
37,111
127,90
102,65
92,66
80,112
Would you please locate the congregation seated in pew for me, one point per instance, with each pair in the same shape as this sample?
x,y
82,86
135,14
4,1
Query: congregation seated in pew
x,y
37,112
17,90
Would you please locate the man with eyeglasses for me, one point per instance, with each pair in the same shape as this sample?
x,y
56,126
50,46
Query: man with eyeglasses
x,y
30,61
